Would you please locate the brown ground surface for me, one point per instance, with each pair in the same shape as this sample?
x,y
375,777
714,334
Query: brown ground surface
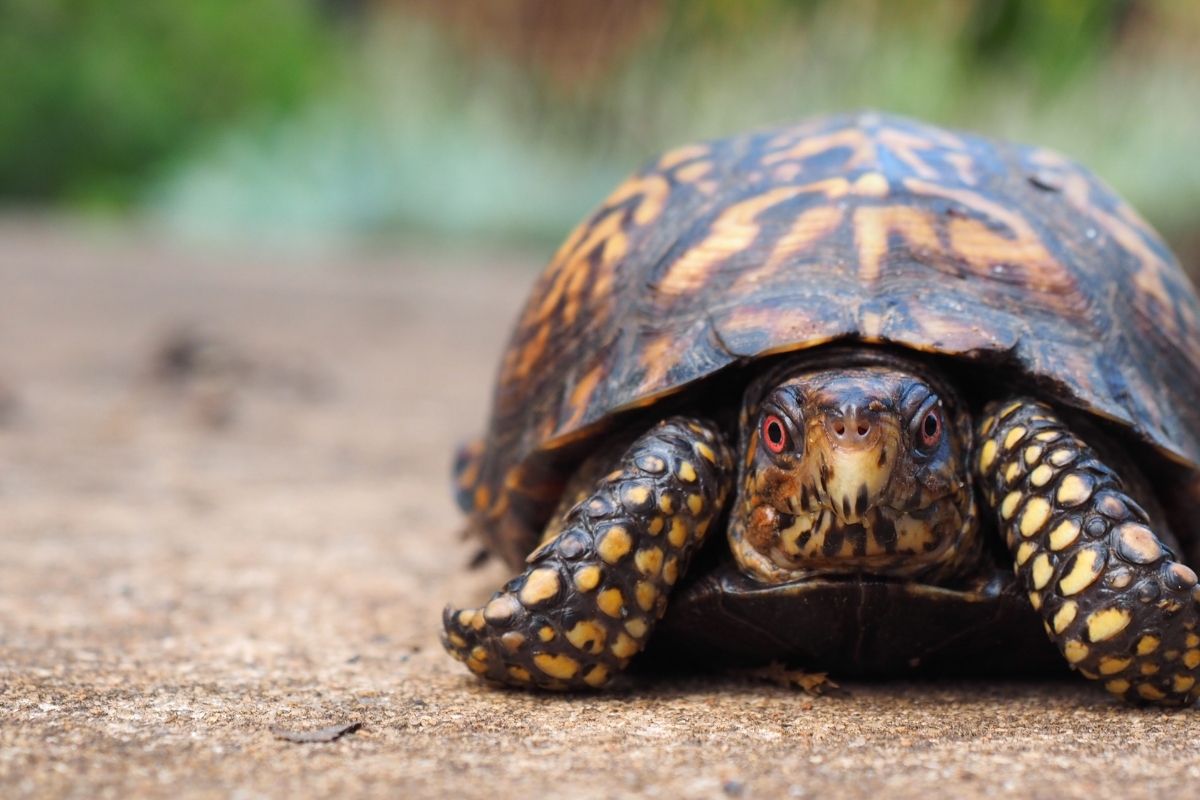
x,y
188,559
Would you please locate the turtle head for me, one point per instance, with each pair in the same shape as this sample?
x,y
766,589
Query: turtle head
x,y
854,470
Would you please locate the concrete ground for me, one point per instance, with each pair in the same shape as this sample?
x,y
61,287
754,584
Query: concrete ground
x,y
224,512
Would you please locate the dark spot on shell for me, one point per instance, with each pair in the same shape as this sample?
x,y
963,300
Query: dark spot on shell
x,y
833,541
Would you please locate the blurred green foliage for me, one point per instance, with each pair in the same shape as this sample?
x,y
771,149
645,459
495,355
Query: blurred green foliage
x,y
485,120
98,95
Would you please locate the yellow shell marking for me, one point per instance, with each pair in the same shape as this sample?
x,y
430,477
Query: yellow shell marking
x,y
1026,550
1191,659
1181,683
556,666
519,674
546,633
1011,473
665,504
1037,511
1064,534
1065,616
686,472
670,572
706,452
1117,686
695,504
1081,576
615,544
1032,454
656,526
1107,623
587,578
637,627
987,454
541,585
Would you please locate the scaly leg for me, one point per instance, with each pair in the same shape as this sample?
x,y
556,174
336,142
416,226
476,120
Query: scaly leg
x,y
1113,597
591,595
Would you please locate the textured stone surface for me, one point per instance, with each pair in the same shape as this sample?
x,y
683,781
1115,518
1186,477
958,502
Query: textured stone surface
x,y
263,539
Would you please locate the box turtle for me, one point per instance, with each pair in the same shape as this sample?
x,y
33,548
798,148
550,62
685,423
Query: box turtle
x,y
860,395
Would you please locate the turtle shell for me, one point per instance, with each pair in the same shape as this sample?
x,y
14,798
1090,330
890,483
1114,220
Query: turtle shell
x,y
867,228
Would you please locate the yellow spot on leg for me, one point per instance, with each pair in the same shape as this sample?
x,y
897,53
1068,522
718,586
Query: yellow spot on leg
x,y
1026,550
637,496
695,503
1082,574
646,595
1074,490
556,666
1064,534
1041,476
1075,651
519,674
649,561
610,601
1041,571
1110,665
501,608
1147,645
987,455
1008,506
1013,436
614,544
1150,692
1036,512
1106,623
637,627
588,636
624,646
587,578
1065,616
540,585
1191,659
597,676
678,534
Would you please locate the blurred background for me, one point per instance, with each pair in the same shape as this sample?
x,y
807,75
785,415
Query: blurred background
x,y
483,123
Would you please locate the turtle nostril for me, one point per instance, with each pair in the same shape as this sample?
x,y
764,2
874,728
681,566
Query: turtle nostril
x,y
863,429
839,428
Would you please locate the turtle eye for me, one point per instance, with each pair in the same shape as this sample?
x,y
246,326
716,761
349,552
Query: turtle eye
x,y
774,433
930,431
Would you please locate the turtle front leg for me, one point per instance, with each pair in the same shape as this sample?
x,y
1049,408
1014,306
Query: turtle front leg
x,y
592,592
1113,597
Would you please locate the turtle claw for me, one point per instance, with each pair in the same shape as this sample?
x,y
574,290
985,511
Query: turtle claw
x,y
815,684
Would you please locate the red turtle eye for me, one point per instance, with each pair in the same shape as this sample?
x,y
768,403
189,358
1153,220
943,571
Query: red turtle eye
x,y
931,429
774,434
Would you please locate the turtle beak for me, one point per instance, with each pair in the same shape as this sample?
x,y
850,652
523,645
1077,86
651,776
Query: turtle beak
x,y
856,448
